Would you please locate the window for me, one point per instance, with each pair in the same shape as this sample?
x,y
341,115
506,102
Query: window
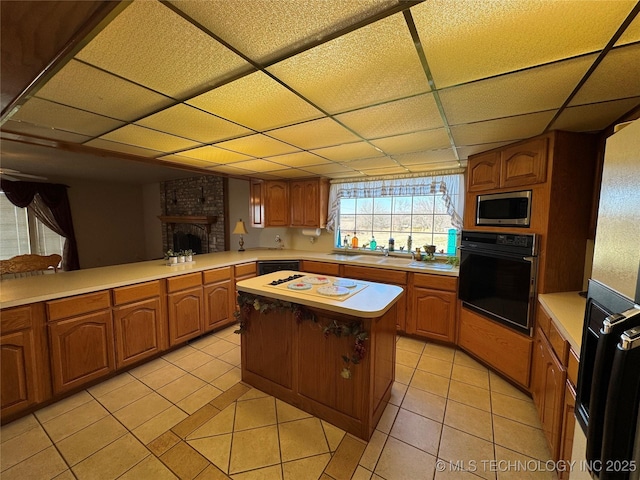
x,y
21,232
425,208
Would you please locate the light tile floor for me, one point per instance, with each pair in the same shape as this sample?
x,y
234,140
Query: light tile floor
x,y
187,415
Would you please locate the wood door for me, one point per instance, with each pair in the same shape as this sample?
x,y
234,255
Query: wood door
x,y
256,200
568,425
524,164
218,305
311,204
18,371
138,331
82,350
484,172
186,317
298,207
276,204
321,268
433,314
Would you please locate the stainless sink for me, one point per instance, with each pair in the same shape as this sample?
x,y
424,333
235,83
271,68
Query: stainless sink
x,y
431,265
344,256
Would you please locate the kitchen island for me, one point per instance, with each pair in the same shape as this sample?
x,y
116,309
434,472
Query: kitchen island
x,y
323,344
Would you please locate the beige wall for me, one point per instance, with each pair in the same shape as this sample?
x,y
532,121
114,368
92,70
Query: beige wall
x,y
152,226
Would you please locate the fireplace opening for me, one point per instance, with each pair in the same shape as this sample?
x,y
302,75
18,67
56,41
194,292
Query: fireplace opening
x,y
187,241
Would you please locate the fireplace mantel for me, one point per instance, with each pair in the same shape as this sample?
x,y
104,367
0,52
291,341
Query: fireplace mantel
x,y
203,220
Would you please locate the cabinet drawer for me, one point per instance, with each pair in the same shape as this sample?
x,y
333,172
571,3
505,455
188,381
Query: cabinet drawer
x,y
572,368
15,319
543,320
216,275
375,274
438,282
175,284
322,268
559,344
137,292
245,269
69,307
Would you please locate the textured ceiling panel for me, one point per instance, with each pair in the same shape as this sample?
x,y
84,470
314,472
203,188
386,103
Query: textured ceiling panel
x,y
301,159
257,101
465,41
374,172
502,130
464,152
329,169
180,160
430,156
394,118
535,90
81,86
49,114
122,148
349,151
298,22
595,116
433,167
259,165
290,173
188,122
618,76
258,146
315,134
631,34
361,68
45,132
413,142
215,155
153,46
369,163
229,170
145,138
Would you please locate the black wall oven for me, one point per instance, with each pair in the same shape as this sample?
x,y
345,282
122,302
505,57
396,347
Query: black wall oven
x,y
498,276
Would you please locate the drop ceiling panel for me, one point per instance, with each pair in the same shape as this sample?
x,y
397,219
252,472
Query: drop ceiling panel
x,y
257,101
300,159
259,165
349,151
297,23
374,64
290,173
617,76
229,170
87,88
315,134
434,167
593,117
48,114
146,138
413,142
503,129
393,118
464,152
151,45
257,146
180,160
535,90
466,41
385,171
215,155
330,169
122,148
429,156
631,34
188,122
369,163
44,132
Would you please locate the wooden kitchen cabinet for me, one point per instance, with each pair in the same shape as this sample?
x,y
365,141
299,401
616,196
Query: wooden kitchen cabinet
x,y
484,172
568,426
433,307
309,202
256,203
185,307
320,268
219,298
276,203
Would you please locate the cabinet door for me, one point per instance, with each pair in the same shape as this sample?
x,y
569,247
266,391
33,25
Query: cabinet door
x,y
81,350
433,314
185,315
276,204
256,201
138,331
524,164
568,425
218,302
18,371
298,207
311,204
484,172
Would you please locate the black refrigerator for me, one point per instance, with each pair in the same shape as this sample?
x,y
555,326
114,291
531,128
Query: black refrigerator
x,y
608,396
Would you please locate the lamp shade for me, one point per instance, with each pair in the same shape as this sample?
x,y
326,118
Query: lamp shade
x,y
240,229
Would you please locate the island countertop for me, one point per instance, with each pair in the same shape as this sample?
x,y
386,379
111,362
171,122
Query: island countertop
x,y
370,299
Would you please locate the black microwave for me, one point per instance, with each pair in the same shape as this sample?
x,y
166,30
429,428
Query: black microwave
x,y
511,209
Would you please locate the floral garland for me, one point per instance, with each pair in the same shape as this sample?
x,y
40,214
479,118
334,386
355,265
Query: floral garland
x,y
248,302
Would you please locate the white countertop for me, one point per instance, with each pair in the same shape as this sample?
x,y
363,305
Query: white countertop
x,y
372,301
22,291
566,310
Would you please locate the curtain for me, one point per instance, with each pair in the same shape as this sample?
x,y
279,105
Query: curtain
x,y
50,204
447,183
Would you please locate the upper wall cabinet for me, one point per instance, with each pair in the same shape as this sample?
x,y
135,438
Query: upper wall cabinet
x,y
276,206
309,199
518,165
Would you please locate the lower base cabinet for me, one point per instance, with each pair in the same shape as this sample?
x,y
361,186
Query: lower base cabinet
x,y
137,331
433,314
18,371
185,315
219,298
568,426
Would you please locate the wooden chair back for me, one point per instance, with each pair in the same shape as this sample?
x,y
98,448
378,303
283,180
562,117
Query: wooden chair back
x,y
28,265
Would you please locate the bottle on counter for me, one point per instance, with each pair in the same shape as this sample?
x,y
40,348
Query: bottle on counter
x,y
418,254
346,241
392,244
339,245
452,239
354,241
409,244
373,244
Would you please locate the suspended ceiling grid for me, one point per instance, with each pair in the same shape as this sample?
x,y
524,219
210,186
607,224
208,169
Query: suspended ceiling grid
x,y
339,88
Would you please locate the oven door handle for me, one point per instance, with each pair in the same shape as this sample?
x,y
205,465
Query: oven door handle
x,y
529,259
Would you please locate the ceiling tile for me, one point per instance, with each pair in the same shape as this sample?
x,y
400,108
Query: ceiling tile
x,y
258,146
297,23
349,151
393,118
413,142
466,41
48,114
215,155
464,152
266,176
503,129
593,117
259,165
434,167
429,156
617,77
146,138
385,171
180,160
258,102
330,169
374,64
369,163
343,175
122,148
290,173
300,159
44,132
315,134
87,88
229,170
188,122
631,34
535,90
151,45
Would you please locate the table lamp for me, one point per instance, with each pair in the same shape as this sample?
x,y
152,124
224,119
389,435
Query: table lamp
x,y
241,230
